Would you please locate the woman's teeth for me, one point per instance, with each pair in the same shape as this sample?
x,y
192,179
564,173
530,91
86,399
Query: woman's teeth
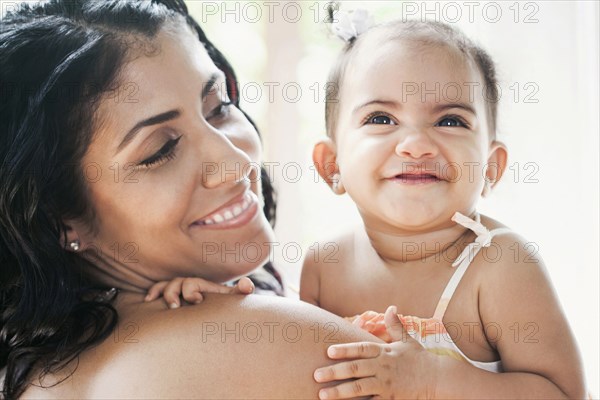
x,y
229,213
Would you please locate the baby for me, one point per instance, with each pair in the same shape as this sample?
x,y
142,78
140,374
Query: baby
x,y
411,130
411,127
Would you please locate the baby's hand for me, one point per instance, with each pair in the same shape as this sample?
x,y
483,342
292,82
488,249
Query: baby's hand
x,y
191,290
401,369
372,322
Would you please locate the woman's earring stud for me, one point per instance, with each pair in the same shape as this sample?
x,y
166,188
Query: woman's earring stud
x,y
74,245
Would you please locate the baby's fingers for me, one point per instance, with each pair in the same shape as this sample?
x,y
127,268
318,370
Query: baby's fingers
x,y
155,291
345,370
354,350
172,292
244,286
193,288
348,390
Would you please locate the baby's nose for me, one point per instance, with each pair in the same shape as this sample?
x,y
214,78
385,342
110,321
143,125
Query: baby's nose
x,y
416,144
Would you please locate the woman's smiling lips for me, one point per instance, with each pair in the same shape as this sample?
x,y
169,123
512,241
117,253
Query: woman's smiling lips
x,y
233,214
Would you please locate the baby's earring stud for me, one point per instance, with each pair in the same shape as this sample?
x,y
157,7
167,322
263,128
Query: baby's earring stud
x,y
487,188
75,245
335,182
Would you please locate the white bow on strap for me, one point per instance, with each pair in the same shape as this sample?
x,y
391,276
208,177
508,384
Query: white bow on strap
x,y
484,238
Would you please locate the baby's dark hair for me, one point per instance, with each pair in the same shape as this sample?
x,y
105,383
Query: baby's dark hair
x,y
423,34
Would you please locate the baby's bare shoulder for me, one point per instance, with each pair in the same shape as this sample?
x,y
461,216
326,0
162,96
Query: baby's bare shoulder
x,y
511,267
333,252
324,262
508,249
491,223
511,263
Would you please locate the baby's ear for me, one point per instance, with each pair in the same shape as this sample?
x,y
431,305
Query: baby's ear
x,y
324,158
496,164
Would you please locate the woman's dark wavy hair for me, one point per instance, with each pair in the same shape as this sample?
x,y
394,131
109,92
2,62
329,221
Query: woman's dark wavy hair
x,y
57,59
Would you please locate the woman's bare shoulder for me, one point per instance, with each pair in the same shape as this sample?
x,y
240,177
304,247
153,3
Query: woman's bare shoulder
x,y
226,347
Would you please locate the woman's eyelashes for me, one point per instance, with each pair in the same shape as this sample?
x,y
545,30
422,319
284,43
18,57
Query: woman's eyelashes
x,y
166,153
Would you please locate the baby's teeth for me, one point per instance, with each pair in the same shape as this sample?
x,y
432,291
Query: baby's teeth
x,y
228,215
237,210
218,218
208,222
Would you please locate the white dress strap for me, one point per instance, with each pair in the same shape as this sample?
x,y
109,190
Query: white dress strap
x,y
464,259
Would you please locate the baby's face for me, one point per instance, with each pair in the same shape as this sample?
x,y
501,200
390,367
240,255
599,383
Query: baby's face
x,y
412,138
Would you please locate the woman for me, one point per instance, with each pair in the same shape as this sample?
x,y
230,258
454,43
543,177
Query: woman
x,y
126,161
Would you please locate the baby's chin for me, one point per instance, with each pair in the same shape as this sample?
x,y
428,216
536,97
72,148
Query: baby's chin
x,y
414,220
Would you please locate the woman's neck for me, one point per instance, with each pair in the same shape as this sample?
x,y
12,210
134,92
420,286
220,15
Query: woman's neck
x,y
109,273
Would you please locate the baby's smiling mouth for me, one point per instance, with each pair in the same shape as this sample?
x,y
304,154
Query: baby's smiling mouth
x,y
415,178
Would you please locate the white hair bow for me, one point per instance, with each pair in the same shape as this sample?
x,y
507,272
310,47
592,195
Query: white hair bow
x,y
349,25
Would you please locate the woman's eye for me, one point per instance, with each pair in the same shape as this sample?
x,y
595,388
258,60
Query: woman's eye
x,y
453,122
167,152
380,119
221,111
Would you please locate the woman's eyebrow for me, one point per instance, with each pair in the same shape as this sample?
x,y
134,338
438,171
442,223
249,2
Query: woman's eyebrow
x,y
155,120
166,116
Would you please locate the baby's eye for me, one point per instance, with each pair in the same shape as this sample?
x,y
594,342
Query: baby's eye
x,y
453,122
379,119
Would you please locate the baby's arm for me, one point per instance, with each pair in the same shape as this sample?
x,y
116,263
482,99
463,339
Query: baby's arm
x,y
517,305
191,290
310,281
534,339
316,284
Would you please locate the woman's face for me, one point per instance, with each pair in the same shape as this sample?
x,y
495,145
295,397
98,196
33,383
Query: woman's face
x,y
173,172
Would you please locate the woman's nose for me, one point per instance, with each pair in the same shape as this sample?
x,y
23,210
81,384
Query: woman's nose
x,y
223,162
416,144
